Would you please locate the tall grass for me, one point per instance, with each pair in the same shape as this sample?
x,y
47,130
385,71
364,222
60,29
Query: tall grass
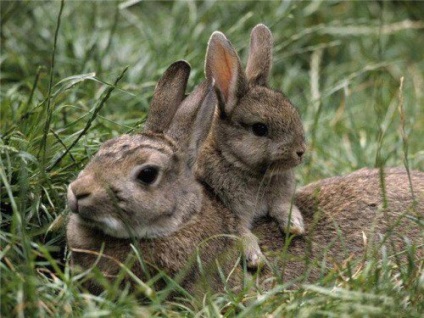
x,y
348,66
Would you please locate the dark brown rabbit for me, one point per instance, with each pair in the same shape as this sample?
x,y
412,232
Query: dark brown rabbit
x,y
347,218
255,141
139,189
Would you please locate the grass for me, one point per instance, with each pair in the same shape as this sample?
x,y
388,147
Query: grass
x,y
74,74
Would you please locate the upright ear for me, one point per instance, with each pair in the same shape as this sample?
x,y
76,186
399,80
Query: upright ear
x,y
202,125
260,55
168,95
181,127
224,69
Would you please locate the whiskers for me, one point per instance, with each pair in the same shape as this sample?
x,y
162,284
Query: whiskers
x,y
122,216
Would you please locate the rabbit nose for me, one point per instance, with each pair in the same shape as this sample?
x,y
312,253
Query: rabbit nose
x,y
81,196
300,151
76,194
72,200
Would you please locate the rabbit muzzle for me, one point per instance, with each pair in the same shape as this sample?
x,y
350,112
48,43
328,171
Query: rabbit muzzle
x,y
89,200
300,151
72,200
92,209
286,160
80,192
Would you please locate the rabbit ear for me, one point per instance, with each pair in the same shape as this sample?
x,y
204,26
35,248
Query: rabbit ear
x,y
181,128
260,55
224,69
168,95
202,124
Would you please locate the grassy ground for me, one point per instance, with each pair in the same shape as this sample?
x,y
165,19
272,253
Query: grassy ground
x,y
74,76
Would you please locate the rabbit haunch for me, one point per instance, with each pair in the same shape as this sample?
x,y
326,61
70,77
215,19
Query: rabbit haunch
x,y
255,141
346,219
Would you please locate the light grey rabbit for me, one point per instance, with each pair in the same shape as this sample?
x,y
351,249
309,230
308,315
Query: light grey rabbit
x,y
255,141
140,189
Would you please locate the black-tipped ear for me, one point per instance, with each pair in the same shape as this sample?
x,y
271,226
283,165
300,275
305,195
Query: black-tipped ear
x,y
168,95
260,55
224,69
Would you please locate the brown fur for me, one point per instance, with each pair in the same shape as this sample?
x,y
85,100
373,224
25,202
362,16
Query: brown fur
x,y
345,219
171,220
339,212
175,254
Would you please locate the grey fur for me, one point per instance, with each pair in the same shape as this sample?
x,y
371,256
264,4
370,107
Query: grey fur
x,y
252,175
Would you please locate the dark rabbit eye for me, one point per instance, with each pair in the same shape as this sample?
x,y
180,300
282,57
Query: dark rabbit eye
x,y
260,129
148,175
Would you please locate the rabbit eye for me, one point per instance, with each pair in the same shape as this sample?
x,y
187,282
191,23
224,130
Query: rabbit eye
x,y
260,129
148,175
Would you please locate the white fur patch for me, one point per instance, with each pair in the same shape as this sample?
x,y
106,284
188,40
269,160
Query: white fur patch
x,y
114,227
118,229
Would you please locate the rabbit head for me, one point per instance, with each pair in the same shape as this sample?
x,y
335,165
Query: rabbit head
x,y
257,127
140,186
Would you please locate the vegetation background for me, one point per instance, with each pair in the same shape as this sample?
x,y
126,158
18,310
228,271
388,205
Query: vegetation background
x,y
76,73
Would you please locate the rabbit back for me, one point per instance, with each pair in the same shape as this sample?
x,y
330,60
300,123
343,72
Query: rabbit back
x,y
345,219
